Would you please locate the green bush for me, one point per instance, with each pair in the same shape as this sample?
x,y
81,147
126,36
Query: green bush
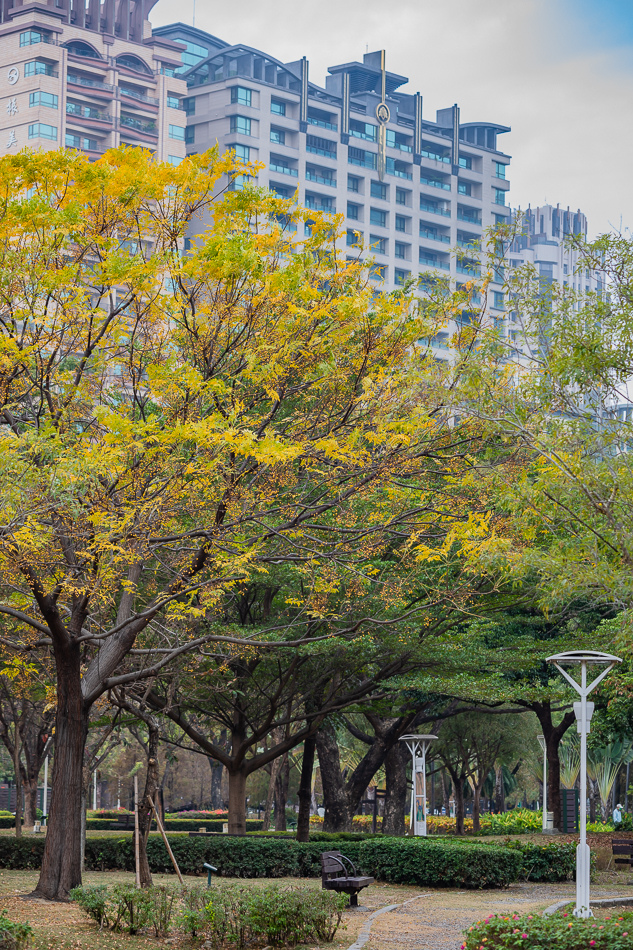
x,y
228,914
13,936
423,862
549,862
174,824
563,932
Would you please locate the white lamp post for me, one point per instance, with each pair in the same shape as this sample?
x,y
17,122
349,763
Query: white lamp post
x,y
417,746
583,712
543,745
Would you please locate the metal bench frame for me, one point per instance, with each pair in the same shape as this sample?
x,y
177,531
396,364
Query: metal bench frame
x,y
332,863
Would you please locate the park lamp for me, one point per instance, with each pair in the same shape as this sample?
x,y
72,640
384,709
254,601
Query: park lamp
x,y
417,746
583,711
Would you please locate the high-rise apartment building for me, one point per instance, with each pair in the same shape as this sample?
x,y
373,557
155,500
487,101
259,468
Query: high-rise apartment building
x,y
413,188
88,74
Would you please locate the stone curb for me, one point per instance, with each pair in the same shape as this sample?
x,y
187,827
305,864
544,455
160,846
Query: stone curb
x,y
365,930
600,902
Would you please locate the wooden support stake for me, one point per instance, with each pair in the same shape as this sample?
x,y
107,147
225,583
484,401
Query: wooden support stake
x,y
167,845
137,856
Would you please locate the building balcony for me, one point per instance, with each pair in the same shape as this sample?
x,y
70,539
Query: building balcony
x,y
283,169
434,262
96,87
434,236
435,183
142,128
320,179
138,96
435,209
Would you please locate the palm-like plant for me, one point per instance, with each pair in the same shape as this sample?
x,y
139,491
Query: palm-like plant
x,y
602,767
569,755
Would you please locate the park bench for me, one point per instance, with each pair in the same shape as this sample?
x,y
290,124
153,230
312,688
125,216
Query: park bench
x,y
335,876
623,846
123,823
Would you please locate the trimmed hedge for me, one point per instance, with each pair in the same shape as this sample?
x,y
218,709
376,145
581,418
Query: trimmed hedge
x,y
426,863
565,933
175,824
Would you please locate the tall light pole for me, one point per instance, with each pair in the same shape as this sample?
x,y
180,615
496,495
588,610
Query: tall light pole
x,y
45,795
543,746
583,712
417,746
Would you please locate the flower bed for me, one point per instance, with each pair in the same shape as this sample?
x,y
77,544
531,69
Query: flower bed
x,y
564,932
515,822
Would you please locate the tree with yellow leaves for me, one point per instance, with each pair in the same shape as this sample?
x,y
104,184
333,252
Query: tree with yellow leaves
x,y
175,424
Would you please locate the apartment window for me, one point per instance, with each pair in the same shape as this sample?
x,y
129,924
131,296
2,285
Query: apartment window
x,y
319,146
242,151
378,272
498,300
40,98
278,136
241,95
401,222
277,107
353,183
500,196
401,276
377,244
78,141
378,217
353,211
190,134
363,130
401,251
358,156
500,219
239,123
500,170
464,188
34,36
403,197
36,67
177,132
379,190
565,269
280,190
173,102
174,159
354,238
465,161
41,131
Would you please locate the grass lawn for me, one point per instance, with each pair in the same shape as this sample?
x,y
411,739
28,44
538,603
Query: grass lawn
x,y
66,927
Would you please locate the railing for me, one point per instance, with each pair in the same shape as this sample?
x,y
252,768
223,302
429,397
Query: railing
x,y
363,162
400,173
435,183
435,156
433,236
140,96
425,206
471,218
430,262
322,124
475,244
321,151
468,267
369,137
438,342
129,123
400,146
93,83
315,205
311,176
284,170
86,112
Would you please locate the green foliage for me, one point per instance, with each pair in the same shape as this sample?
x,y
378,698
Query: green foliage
x,y
174,824
564,932
548,862
227,914
13,936
429,863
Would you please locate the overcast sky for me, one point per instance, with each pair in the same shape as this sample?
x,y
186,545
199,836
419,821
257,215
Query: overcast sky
x,y
559,72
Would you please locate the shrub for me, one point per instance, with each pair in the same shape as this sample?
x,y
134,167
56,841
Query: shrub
x,y
220,814
550,862
13,936
565,933
174,824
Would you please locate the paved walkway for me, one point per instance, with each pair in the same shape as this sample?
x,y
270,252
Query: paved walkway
x,y
437,920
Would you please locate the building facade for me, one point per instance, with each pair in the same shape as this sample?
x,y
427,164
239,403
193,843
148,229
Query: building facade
x,y
88,75
410,188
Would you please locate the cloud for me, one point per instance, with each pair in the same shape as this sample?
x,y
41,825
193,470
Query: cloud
x,y
519,63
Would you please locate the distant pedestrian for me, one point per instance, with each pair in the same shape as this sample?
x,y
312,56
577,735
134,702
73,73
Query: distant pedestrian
x,y
617,815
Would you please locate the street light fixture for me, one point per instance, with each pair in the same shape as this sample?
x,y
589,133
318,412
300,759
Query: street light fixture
x,y
417,746
583,712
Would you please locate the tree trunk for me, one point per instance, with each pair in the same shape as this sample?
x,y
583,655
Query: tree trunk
x,y
396,790
458,791
281,793
446,792
499,790
476,808
237,802
305,789
216,782
61,862
145,812
553,736
30,802
275,765
17,748
338,816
